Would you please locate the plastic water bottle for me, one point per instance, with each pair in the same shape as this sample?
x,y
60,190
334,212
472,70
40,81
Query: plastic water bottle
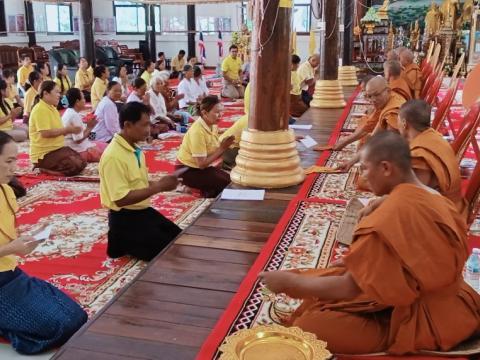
x,y
472,270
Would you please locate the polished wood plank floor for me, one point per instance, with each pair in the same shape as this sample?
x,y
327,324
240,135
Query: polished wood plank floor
x,y
170,309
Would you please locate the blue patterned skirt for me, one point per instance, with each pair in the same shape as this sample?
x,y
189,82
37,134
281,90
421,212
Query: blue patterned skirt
x,y
34,315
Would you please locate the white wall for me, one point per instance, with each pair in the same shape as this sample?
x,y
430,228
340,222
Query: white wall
x,y
168,43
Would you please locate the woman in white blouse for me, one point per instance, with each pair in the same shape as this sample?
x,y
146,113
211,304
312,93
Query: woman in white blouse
x,y
200,89
121,76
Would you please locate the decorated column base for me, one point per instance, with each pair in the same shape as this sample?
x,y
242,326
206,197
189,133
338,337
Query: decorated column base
x,y
328,95
347,75
267,159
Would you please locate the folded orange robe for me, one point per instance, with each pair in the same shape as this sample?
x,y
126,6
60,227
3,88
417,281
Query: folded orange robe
x,y
413,76
430,151
400,86
407,259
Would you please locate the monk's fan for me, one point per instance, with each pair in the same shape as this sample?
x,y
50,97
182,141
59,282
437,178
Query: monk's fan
x,y
349,221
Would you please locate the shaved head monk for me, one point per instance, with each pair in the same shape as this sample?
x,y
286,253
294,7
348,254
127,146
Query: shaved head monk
x,y
433,159
386,105
411,73
400,289
392,55
393,74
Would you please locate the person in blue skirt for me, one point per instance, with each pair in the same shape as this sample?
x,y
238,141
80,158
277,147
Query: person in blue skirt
x,y
35,316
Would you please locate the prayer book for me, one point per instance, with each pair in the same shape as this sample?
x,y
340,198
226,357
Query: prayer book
x,y
349,221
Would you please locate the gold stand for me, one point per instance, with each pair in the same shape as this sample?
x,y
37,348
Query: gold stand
x,y
267,159
347,75
328,95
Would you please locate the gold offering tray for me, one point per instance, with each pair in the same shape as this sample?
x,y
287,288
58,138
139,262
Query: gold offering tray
x,y
273,342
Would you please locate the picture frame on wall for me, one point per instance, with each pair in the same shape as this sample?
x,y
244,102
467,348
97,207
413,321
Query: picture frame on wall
x,y
110,25
12,23
20,19
76,24
99,25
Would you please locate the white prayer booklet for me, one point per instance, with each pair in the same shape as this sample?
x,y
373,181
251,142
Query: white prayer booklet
x,y
301,127
240,194
308,142
44,234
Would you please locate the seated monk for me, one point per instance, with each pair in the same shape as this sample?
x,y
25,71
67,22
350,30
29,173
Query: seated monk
x,y
393,74
400,288
433,159
411,73
386,104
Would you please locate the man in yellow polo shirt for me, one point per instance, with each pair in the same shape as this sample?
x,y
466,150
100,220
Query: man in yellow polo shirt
x,y
178,62
232,71
24,71
135,228
307,75
297,106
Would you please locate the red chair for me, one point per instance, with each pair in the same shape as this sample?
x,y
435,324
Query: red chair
x,y
472,194
432,93
427,70
427,84
443,108
467,132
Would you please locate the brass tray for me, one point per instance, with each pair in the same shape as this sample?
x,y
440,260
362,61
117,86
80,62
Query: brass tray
x,y
273,342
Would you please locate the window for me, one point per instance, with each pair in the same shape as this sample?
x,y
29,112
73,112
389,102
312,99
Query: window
x,y
158,24
129,17
59,18
213,24
173,18
3,21
301,16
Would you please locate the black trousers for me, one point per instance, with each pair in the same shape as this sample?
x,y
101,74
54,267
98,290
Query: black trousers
x,y
306,97
139,233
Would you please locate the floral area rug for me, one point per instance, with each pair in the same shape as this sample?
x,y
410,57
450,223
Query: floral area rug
x,y
74,258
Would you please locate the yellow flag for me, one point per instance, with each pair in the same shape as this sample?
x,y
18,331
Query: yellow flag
x,y
294,42
312,44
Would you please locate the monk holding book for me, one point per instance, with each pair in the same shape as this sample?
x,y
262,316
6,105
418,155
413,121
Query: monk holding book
x,y
400,289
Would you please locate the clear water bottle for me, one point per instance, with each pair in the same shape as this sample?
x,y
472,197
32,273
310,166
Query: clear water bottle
x,y
472,270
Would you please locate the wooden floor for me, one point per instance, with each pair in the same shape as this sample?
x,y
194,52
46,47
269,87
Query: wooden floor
x,y
170,309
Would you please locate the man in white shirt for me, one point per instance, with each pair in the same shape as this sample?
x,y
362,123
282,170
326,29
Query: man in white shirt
x,y
306,73
187,89
107,113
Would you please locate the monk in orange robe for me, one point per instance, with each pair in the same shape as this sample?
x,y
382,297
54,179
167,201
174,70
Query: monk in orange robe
x,y
393,74
411,73
433,159
384,116
400,289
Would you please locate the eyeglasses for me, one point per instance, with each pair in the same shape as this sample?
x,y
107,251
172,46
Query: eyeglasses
x,y
374,95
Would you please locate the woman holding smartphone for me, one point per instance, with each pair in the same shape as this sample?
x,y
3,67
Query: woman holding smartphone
x,y
36,316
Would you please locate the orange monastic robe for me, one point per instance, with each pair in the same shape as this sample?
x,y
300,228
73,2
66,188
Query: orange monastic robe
x,y
413,76
400,86
430,151
407,260
384,118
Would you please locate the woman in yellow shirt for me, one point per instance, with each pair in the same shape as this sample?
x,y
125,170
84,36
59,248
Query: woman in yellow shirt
x,y
36,316
12,92
31,93
148,72
62,79
44,69
47,144
201,151
8,114
99,86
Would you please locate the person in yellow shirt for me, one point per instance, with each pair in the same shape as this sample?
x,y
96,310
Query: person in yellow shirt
x,y
232,71
84,78
31,88
236,130
53,317
178,62
47,145
99,86
307,74
135,228
8,113
12,92
44,69
201,151
62,79
24,71
297,106
147,74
